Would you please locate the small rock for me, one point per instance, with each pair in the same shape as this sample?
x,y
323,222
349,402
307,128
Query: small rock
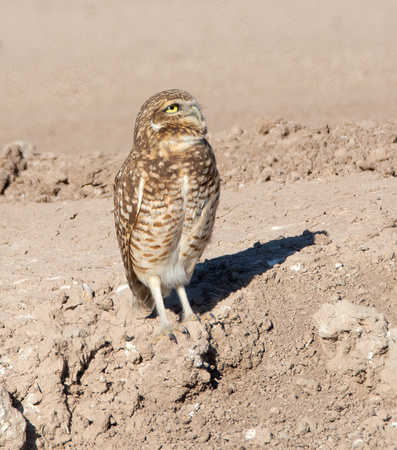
x,y
380,154
383,415
250,434
321,239
258,436
13,161
4,181
343,388
34,398
232,172
266,174
264,436
263,125
308,385
332,320
87,291
236,130
302,427
131,353
106,303
204,437
372,425
266,325
365,164
61,298
341,155
270,160
284,435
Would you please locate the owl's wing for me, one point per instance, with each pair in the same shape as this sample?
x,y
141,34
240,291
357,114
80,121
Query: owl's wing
x,y
125,186
202,216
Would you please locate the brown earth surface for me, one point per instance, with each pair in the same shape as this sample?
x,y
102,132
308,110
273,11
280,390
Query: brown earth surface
x,y
300,274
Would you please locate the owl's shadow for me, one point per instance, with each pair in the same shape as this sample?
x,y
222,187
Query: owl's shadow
x,y
215,279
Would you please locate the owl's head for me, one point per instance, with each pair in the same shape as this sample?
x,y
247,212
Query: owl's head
x,y
173,113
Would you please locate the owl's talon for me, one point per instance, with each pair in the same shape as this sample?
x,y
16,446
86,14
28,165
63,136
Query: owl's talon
x,y
169,331
172,337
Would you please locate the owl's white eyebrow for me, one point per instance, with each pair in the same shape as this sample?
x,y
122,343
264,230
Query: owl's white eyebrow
x,y
155,126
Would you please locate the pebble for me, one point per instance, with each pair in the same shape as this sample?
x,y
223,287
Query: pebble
x,y
87,291
308,385
264,436
302,428
383,414
232,172
236,130
284,435
250,434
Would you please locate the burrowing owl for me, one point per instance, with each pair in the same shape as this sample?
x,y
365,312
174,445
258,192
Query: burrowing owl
x,y
165,199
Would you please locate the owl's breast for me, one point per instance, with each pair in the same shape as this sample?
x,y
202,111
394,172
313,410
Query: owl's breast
x,y
174,221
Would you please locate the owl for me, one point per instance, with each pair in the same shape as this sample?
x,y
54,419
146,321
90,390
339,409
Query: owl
x,y
166,195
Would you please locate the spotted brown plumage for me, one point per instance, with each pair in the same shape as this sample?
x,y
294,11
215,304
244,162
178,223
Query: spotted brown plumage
x,y
165,199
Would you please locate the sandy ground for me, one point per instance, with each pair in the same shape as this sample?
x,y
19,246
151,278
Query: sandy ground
x,y
300,274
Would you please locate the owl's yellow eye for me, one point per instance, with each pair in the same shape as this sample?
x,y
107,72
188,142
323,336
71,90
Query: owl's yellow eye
x,y
172,109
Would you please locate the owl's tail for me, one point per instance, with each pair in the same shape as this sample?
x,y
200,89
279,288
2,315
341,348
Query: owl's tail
x,y
142,300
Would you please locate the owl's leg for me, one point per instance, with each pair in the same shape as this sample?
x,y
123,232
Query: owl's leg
x,y
187,309
155,289
165,326
188,313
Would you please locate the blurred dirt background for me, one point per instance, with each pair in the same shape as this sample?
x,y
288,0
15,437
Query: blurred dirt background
x,y
301,270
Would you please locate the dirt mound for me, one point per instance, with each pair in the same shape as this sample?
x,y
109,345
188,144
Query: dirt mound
x,y
274,150
31,176
299,276
279,150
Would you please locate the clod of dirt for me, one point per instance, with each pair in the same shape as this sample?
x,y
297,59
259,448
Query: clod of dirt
x,y
388,374
13,160
258,436
12,424
345,317
355,338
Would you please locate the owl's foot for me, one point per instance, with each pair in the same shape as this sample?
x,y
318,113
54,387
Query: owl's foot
x,y
169,332
206,317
